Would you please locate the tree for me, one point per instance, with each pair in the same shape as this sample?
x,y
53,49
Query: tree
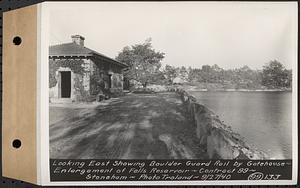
x,y
195,75
170,73
206,73
274,75
183,73
143,61
289,78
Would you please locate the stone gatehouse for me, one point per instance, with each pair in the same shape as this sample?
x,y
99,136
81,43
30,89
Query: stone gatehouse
x,y
77,73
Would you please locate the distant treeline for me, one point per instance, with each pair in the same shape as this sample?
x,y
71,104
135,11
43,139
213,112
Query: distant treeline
x,y
144,68
273,76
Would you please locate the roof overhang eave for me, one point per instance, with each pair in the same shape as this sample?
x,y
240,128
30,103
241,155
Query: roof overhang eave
x,y
111,60
70,56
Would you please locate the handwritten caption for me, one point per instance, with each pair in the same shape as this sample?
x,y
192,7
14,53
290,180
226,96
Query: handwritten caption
x,y
169,170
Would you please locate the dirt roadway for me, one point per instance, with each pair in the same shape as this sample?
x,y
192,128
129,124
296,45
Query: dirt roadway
x,y
136,126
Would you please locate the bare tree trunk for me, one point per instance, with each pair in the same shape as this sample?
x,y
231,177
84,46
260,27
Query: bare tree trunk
x,y
144,85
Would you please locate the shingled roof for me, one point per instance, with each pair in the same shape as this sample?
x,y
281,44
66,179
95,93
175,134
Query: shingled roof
x,y
74,50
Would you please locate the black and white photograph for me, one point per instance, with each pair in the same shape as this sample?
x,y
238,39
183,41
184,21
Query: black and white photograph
x,y
154,93
171,81
172,92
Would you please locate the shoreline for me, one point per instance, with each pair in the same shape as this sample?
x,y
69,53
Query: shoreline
x,y
240,90
232,89
159,88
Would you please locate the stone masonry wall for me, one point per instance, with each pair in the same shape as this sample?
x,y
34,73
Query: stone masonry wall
x,y
218,139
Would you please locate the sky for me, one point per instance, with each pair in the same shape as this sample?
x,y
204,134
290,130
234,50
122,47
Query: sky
x,y
228,34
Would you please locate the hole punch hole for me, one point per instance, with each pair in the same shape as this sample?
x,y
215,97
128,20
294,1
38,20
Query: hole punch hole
x,y
17,40
16,143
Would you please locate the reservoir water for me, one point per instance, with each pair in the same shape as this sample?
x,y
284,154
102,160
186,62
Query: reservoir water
x,y
264,119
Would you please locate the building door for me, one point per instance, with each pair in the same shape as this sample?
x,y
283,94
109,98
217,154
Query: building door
x,y
109,81
65,84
